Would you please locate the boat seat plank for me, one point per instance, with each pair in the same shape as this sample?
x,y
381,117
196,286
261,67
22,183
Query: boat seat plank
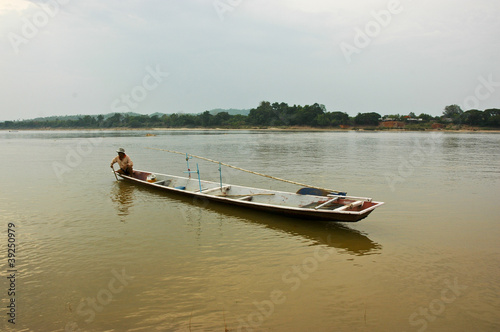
x,y
326,203
209,190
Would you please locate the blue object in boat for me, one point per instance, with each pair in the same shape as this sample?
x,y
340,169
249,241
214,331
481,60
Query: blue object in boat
x,y
318,192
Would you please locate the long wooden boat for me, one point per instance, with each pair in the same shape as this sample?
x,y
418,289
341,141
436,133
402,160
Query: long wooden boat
x,y
333,207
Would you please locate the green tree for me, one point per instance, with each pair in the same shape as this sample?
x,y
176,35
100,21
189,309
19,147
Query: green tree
x,y
308,115
86,122
492,117
332,119
135,122
262,115
171,120
339,118
367,119
323,120
454,112
206,119
100,120
186,120
222,119
138,121
473,117
425,117
114,121
155,121
282,114
8,124
238,121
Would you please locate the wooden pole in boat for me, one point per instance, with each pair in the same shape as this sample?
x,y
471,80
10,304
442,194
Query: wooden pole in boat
x,y
113,168
220,175
252,172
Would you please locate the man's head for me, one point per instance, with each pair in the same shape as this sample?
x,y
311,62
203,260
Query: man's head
x,y
121,152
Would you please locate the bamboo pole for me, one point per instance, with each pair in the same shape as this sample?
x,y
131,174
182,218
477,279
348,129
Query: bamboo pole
x,y
113,168
245,170
245,195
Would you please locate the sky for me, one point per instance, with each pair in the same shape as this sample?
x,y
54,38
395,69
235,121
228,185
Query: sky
x,y
67,57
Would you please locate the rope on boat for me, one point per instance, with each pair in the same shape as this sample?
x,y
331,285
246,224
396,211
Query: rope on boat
x,y
245,170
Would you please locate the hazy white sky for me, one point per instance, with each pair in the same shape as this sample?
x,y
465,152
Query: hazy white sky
x,y
62,57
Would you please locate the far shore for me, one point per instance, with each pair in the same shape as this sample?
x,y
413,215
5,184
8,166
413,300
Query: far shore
x,y
270,129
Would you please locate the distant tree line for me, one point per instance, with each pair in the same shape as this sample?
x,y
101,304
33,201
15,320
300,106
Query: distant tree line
x,y
488,118
265,115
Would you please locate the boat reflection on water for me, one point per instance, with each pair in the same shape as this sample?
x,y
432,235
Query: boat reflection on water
x,y
332,234
122,194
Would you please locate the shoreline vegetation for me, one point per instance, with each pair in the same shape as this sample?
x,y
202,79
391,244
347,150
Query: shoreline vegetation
x,y
269,129
267,116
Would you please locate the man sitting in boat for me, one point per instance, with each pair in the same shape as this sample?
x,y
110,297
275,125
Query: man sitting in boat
x,y
124,162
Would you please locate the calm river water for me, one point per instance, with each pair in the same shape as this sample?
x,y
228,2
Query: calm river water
x,y
94,254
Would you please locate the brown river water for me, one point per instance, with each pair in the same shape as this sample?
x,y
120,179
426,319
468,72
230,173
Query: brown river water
x,y
96,254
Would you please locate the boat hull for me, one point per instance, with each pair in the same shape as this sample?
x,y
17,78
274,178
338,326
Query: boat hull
x,y
310,207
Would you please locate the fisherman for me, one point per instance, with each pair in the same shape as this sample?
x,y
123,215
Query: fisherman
x,y
124,162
